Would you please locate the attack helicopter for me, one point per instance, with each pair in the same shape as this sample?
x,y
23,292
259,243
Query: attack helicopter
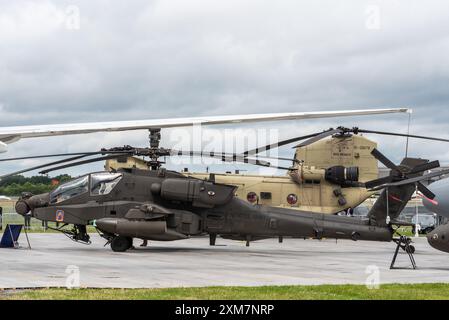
x,y
164,205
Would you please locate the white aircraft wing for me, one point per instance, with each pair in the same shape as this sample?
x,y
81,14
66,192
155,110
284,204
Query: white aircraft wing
x,y
3,147
12,134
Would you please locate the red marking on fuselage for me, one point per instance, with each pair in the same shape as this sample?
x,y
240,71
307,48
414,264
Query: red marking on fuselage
x,y
432,201
395,198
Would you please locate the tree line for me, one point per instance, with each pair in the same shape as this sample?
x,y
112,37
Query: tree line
x,y
14,186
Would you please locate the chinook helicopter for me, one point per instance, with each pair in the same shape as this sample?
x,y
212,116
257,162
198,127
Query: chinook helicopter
x,y
311,182
327,175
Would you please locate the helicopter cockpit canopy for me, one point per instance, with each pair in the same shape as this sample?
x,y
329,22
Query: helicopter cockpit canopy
x,y
101,183
70,189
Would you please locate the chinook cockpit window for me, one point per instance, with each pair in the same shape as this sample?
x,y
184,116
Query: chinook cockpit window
x,y
70,189
102,183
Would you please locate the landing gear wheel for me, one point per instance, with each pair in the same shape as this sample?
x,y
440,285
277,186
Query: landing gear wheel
x,y
121,244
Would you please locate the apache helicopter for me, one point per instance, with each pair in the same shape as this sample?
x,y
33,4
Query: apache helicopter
x,y
165,205
327,176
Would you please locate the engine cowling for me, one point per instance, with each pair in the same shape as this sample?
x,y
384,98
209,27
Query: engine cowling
x,y
339,175
343,176
200,193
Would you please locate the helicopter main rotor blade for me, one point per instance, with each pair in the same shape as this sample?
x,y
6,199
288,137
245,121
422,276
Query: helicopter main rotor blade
x,y
62,155
272,158
225,157
79,163
213,154
118,152
401,135
278,144
384,160
318,137
228,157
342,130
42,166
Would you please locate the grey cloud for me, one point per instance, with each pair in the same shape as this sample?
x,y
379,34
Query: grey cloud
x,y
160,59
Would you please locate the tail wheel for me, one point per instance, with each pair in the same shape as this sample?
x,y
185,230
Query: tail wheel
x,y
121,244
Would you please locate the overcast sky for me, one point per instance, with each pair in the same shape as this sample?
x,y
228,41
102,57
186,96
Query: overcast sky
x,y
77,61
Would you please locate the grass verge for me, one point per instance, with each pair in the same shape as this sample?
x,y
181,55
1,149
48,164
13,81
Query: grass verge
x,y
431,291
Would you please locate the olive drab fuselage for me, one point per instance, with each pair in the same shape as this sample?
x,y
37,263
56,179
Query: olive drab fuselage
x,y
166,205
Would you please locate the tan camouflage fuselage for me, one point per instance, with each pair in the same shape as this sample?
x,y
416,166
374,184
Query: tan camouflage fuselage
x,y
307,183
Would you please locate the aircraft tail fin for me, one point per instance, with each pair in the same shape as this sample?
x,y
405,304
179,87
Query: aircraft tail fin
x,y
391,202
398,187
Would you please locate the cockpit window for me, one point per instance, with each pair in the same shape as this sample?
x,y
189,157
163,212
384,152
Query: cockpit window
x,y
102,183
70,189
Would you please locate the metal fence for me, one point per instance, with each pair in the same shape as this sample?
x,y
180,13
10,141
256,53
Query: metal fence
x,y
14,218
11,217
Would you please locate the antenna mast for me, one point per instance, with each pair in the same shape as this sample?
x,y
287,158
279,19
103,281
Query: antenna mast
x,y
409,111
